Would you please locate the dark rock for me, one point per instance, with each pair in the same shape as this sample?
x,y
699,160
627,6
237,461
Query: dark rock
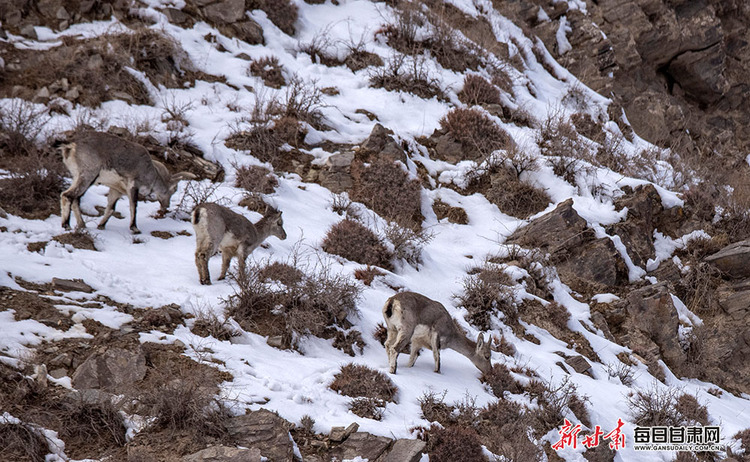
x,y
597,263
405,451
176,16
448,149
557,230
652,312
248,31
701,73
339,434
380,143
364,445
336,172
71,285
578,363
734,299
114,370
225,454
734,259
263,430
225,12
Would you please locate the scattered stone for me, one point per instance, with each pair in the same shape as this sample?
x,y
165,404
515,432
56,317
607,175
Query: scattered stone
x,y
71,285
339,434
578,363
113,370
225,454
263,430
42,96
176,16
29,31
225,12
364,445
733,259
380,143
405,451
276,341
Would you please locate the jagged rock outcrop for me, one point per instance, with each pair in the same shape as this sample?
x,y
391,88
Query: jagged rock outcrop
x,y
582,260
265,431
678,68
733,260
113,370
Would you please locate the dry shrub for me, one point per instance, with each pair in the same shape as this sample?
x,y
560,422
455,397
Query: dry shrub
x,y
81,423
385,187
500,380
278,299
183,398
354,241
22,442
697,287
504,430
453,214
475,131
33,193
367,274
488,293
303,101
283,13
207,323
665,406
268,69
515,197
265,139
254,179
358,59
380,333
434,408
560,142
409,74
358,381
744,437
20,124
477,91
587,126
454,443
407,243
369,408
553,401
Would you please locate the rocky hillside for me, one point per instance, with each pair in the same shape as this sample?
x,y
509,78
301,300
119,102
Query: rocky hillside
x,y
568,178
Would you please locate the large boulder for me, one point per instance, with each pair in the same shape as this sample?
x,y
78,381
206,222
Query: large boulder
x,y
263,430
652,312
113,370
380,143
224,454
733,260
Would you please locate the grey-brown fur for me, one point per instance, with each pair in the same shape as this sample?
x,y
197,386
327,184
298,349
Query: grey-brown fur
x,y
219,229
126,167
413,319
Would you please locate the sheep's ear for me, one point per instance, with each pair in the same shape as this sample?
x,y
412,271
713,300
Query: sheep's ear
x,y
480,340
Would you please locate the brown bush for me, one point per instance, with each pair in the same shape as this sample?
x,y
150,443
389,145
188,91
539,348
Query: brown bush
x,y
369,408
20,124
515,197
409,74
182,398
367,274
477,90
660,406
475,130
33,194
83,424
407,243
487,293
358,59
454,443
560,142
553,400
283,13
207,323
22,442
254,179
79,239
354,241
269,70
381,333
500,380
385,187
302,304
358,381
503,429
744,437
453,214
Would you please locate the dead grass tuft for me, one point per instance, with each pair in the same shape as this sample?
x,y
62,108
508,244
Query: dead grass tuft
x,y
22,442
454,443
475,131
276,299
500,380
367,274
407,73
369,408
357,381
665,406
269,70
256,180
453,214
477,91
354,241
488,293
385,187
79,239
